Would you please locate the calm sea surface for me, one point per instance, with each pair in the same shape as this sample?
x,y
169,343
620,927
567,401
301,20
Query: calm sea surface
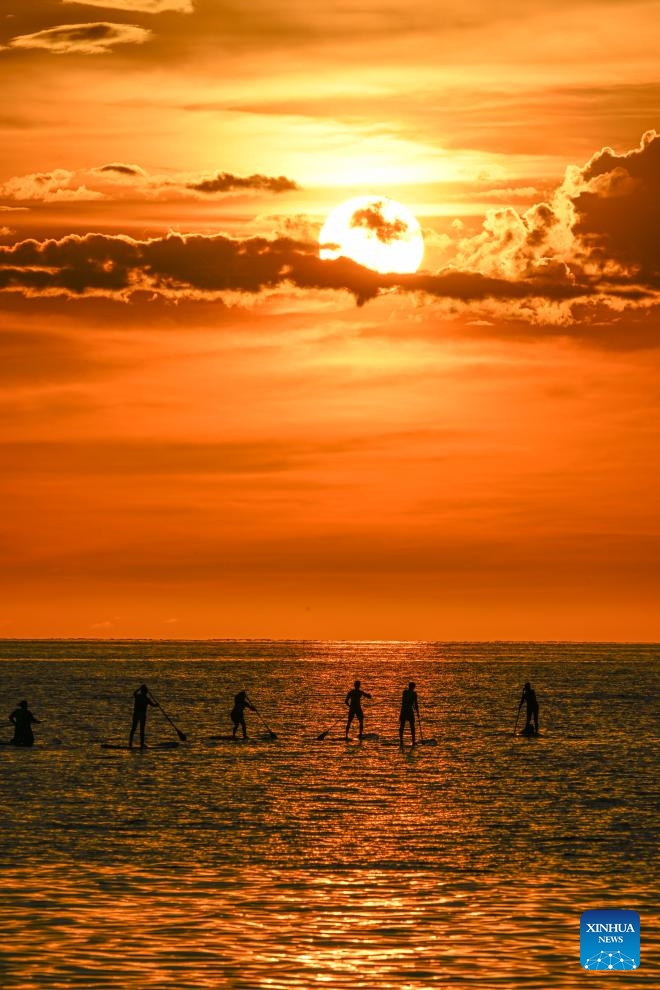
x,y
297,863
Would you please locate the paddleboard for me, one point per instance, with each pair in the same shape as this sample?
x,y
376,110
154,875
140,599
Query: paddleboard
x,y
227,738
367,737
136,749
407,744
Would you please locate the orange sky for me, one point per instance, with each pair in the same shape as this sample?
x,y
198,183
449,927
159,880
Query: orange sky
x,y
207,430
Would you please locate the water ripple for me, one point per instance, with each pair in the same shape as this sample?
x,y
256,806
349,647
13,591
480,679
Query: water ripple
x,y
295,863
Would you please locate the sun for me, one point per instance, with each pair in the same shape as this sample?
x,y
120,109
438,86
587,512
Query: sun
x,y
374,231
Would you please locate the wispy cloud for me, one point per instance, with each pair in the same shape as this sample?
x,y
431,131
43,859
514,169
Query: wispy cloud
x,y
226,182
139,6
86,39
59,185
121,169
125,180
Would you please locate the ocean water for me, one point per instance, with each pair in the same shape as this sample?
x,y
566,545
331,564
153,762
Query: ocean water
x,y
297,863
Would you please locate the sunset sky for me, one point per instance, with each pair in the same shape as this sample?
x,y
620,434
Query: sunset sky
x,y
210,431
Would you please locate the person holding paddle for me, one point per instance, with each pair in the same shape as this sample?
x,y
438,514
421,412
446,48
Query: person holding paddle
x,y
141,702
409,706
237,714
22,719
532,720
353,700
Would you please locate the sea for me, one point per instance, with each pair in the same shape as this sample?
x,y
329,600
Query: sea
x,y
289,861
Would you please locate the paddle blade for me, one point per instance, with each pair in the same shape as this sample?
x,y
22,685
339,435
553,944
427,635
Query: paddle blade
x,y
182,736
322,735
429,742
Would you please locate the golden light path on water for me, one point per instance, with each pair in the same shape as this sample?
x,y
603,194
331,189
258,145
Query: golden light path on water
x,y
292,862
165,933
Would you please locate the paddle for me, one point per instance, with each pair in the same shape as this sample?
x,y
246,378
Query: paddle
x,y
424,742
272,734
322,735
182,736
517,717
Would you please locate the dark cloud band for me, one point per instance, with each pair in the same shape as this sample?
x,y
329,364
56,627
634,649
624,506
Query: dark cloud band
x,y
225,182
179,264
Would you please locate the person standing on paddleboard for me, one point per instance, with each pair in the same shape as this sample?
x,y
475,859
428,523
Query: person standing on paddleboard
x,y
532,721
353,700
141,702
409,706
22,719
237,714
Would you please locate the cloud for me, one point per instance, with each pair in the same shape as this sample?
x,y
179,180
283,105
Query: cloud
x,y
123,180
298,226
617,209
121,169
371,217
226,182
60,185
139,6
600,223
86,39
514,245
195,266
589,251
118,264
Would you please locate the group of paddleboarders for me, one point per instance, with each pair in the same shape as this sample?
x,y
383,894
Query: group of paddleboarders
x,y
142,701
409,708
23,719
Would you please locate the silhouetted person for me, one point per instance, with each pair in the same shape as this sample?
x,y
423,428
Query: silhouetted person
x,y
22,719
353,700
532,720
141,703
237,714
409,706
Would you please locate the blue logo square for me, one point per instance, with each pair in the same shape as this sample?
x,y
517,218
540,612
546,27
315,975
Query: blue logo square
x,y
609,940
